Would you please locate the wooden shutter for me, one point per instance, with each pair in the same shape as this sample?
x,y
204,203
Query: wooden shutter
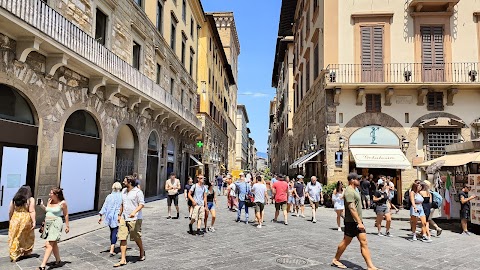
x,y
433,57
372,53
435,101
373,103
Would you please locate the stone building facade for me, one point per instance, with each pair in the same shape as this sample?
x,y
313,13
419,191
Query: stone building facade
x,y
85,103
242,139
371,92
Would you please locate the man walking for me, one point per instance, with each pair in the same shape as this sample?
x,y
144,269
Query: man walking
x,y
365,189
353,224
243,188
219,183
280,194
299,193
198,196
314,195
130,219
259,189
465,208
172,186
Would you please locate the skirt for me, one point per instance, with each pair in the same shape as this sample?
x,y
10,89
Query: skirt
x,y
53,229
21,237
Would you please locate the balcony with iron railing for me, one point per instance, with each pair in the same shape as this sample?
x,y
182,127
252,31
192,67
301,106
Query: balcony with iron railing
x,y
52,24
462,73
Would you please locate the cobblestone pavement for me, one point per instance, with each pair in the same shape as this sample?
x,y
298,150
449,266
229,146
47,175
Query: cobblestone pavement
x,y
300,245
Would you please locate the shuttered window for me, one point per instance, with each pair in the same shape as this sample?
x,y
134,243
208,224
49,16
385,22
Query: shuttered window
x,y
373,103
433,58
435,101
315,62
372,53
198,103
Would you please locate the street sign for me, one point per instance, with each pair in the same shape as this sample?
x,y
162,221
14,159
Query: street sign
x,y
339,158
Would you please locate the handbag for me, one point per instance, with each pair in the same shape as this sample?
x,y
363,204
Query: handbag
x,y
249,198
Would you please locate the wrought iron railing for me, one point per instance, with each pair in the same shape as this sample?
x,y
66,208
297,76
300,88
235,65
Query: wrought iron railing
x,y
403,73
39,15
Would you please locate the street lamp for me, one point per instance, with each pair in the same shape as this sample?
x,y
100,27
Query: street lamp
x,y
405,144
314,143
341,142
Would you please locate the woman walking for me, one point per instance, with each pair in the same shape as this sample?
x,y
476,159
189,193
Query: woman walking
x,y
53,227
427,207
111,209
22,223
291,198
383,207
211,203
232,196
417,212
338,203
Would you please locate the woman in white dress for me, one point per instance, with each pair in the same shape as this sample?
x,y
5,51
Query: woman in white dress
x,y
338,203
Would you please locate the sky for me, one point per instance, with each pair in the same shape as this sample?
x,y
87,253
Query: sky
x,y
257,27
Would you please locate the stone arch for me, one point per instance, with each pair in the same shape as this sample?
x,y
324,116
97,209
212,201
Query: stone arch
x,y
153,164
127,155
15,106
368,119
96,115
434,115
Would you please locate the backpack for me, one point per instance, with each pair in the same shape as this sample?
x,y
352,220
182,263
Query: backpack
x,y
406,200
437,199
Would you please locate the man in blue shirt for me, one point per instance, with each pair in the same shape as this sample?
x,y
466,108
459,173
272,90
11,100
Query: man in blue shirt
x,y
243,189
198,197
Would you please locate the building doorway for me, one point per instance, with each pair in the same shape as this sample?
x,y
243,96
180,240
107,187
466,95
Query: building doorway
x,y
126,152
151,186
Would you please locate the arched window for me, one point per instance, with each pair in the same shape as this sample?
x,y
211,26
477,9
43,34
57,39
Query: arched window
x,y
13,106
81,122
152,142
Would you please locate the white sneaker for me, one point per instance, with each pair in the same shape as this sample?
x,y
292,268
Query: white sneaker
x,y
212,229
314,221
303,216
339,229
259,226
297,215
414,237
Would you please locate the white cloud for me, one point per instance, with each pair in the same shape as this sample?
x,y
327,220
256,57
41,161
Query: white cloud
x,y
253,94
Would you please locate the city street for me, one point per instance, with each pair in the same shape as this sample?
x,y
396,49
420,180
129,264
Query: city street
x,y
300,245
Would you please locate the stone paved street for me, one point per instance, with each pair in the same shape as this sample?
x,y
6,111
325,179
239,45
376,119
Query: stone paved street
x,y
310,246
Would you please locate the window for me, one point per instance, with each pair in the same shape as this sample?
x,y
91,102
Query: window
x,y
100,27
173,33
340,118
435,101
172,85
160,16
307,22
190,104
407,118
210,44
181,96
374,103
192,54
192,24
184,11
307,76
437,140
372,53
315,62
138,2
301,89
136,55
433,58
315,5
209,76
159,73
184,41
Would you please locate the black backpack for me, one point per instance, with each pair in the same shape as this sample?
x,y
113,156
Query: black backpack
x,y
406,200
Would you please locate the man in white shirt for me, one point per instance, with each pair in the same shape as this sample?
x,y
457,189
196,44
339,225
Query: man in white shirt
x,y
172,186
130,219
314,195
260,191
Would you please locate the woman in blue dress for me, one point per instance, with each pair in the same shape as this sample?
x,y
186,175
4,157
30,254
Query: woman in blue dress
x,y
110,210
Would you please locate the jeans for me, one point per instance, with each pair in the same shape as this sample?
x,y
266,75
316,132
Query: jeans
x,y
241,204
113,235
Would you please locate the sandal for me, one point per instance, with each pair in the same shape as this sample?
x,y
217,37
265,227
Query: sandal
x,y
339,265
41,268
119,264
142,258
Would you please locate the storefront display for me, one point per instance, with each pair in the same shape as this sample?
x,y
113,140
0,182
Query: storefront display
x,y
474,182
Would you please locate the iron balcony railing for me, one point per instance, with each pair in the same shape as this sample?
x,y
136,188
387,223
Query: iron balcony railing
x,y
39,15
403,73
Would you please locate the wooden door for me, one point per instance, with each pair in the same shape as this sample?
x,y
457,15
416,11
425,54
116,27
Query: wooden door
x,y
433,58
372,54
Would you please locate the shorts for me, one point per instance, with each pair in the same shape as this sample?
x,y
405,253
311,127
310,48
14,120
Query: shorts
x,y
210,206
189,203
300,200
382,210
351,229
465,214
259,207
174,198
291,200
198,212
282,205
134,228
420,212
314,205
365,197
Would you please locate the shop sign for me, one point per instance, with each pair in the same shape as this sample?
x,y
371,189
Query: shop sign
x,y
374,135
339,158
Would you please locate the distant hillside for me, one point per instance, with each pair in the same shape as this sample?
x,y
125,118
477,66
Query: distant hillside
x,y
262,155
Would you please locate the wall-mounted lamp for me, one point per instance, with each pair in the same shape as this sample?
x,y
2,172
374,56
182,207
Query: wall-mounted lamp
x,y
473,75
407,74
341,142
333,77
405,144
313,145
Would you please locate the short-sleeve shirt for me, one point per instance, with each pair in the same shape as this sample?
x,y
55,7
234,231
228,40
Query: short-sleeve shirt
x,y
379,194
243,190
199,193
314,191
131,200
464,206
299,187
281,191
259,190
219,180
365,186
233,188
351,195
188,187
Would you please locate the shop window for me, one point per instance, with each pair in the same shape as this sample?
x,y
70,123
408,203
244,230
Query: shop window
x,y
435,101
373,103
81,122
13,106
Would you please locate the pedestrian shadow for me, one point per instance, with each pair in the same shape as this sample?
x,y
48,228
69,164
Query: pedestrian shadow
x,y
351,265
408,238
133,259
52,265
33,255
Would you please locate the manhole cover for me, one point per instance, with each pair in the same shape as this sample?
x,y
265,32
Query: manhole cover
x,y
291,262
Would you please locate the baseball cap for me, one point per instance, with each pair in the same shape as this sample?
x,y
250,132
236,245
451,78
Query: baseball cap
x,y
352,176
300,176
242,174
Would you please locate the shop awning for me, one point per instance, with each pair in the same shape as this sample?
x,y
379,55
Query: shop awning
x,y
387,158
300,159
309,158
196,161
454,160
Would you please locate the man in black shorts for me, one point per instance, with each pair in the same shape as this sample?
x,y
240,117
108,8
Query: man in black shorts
x,y
465,208
353,224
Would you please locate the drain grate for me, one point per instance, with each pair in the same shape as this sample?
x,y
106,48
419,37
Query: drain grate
x,y
291,262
